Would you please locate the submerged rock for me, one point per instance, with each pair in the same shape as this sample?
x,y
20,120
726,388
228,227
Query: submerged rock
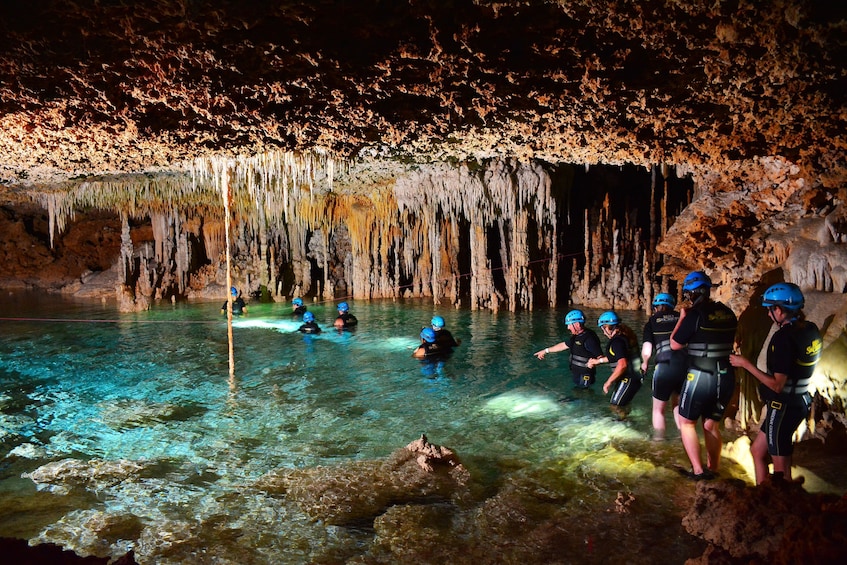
x,y
362,490
61,476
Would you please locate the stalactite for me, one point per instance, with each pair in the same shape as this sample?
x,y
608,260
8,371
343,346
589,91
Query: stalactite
x,y
278,201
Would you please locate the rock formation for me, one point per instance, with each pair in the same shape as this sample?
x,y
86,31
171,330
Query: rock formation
x,y
375,149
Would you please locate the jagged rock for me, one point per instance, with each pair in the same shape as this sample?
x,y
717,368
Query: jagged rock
x,y
361,490
430,455
61,476
776,522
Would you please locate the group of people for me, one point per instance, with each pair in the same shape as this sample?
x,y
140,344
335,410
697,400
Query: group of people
x,y
692,351
344,320
694,366
436,341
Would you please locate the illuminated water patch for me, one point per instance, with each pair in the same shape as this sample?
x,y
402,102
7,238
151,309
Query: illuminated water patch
x,y
517,404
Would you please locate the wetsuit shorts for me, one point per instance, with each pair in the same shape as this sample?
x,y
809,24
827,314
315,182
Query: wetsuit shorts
x,y
707,393
625,390
668,377
781,421
582,377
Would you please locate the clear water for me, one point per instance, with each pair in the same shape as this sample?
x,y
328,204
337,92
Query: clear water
x,y
80,381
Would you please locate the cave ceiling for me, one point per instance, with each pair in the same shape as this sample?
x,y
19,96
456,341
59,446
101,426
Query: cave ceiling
x,y
90,89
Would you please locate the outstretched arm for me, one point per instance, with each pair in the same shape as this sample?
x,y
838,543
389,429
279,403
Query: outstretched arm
x,y
552,349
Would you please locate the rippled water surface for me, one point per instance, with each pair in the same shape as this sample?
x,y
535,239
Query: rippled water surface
x,y
80,381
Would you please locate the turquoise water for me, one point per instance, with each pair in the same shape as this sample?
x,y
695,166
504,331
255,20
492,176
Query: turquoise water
x,y
81,382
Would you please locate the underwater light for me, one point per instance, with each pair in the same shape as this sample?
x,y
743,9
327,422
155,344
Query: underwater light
x,y
523,405
278,325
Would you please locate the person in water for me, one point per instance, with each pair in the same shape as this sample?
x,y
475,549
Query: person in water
x,y
309,325
670,367
583,345
297,307
238,305
706,332
429,346
443,337
622,350
345,319
792,354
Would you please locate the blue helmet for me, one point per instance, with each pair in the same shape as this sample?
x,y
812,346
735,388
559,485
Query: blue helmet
x,y
428,335
608,319
437,322
343,307
695,280
233,291
297,302
308,317
574,316
664,299
784,295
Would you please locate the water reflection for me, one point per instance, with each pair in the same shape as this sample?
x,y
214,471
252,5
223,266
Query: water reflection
x,y
153,446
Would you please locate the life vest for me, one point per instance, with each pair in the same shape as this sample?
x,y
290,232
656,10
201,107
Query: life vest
x,y
715,336
807,344
662,325
580,354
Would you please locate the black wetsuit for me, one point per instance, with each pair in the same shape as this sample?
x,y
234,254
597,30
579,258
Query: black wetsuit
x,y
670,369
299,310
583,347
630,382
794,350
433,349
708,331
238,306
309,328
348,319
445,339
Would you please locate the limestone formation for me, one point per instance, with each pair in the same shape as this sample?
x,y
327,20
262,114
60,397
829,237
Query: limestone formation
x,y
362,490
777,521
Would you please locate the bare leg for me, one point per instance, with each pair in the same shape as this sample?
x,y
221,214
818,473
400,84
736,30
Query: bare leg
x,y
676,416
691,443
659,419
712,435
759,451
782,463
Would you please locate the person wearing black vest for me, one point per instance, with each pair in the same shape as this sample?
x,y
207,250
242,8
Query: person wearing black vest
x,y
792,354
622,352
670,365
706,331
583,345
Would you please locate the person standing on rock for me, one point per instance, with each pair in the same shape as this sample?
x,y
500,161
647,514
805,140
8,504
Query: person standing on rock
x,y
792,354
669,371
583,345
706,331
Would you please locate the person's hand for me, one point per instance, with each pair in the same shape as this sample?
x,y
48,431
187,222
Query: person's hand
x,y
606,387
644,370
540,354
737,360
